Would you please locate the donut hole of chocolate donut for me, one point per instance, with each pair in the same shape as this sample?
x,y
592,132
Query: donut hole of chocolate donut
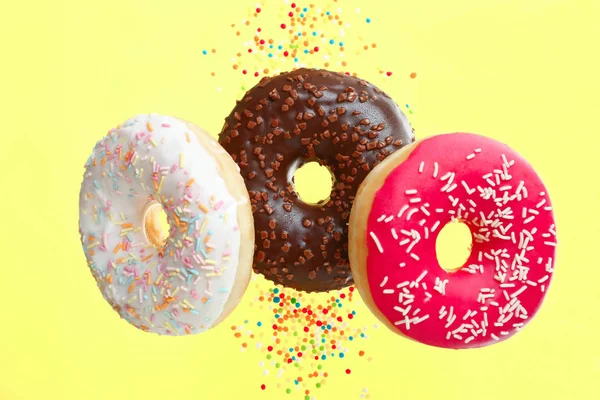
x,y
453,246
313,183
155,224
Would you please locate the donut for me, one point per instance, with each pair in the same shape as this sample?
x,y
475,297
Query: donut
x,y
399,211
189,279
341,122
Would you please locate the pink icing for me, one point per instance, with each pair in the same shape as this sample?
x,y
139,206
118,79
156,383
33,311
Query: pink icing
x,y
502,284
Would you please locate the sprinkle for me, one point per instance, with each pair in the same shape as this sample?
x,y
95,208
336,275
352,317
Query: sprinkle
x,y
377,243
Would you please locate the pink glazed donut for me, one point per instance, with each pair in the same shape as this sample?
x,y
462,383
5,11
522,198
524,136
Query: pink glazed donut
x,y
401,208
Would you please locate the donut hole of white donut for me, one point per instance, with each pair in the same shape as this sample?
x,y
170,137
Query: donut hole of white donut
x,y
313,182
453,246
156,224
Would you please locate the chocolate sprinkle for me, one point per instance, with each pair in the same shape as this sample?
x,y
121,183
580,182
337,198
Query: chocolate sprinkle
x,y
340,121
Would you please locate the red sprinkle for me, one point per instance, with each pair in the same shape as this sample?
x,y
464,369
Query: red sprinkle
x,y
317,48
263,386
293,5
348,371
258,10
282,26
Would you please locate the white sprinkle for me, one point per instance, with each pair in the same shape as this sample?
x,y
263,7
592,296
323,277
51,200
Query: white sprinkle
x,y
384,281
470,338
553,244
446,176
421,276
471,156
376,240
415,200
467,189
421,166
426,233
435,169
518,292
388,291
403,242
388,219
528,220
402,210
541,203
402,265
544,279
434,227
410,191
425,211
394,234
413,255
478,150
411,212
381,218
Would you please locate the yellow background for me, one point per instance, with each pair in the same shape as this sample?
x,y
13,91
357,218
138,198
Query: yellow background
x,y
524,72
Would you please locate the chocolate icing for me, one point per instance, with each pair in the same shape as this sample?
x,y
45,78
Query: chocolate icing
x,y
284,122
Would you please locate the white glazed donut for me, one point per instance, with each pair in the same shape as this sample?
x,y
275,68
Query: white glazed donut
x,y
191,280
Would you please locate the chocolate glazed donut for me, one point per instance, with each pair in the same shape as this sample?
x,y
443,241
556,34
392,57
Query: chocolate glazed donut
x,y
307,115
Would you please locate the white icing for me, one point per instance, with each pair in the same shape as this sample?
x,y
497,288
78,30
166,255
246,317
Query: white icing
x,y
196,274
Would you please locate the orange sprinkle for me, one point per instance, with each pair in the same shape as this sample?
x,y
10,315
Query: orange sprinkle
x,y
149,126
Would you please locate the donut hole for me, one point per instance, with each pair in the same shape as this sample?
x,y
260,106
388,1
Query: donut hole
x,y
156,225
313,183
453,246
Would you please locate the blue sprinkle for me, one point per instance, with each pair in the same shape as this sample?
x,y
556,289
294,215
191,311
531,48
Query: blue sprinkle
x,y
353,312
224,290
295,59
314,33
305,9
276,300
195,312
368,20
291,349
270,55
203,253
204,52
305,51
276,290
96,184
407,106
301,15
351,338
189,279
270,46
276,315
341,44
299,33
328,326
341,355
198,243
337,300
296,381
297,305
259,324
279,47
331,41
362,335
327,13
323,340
323,357
193,271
